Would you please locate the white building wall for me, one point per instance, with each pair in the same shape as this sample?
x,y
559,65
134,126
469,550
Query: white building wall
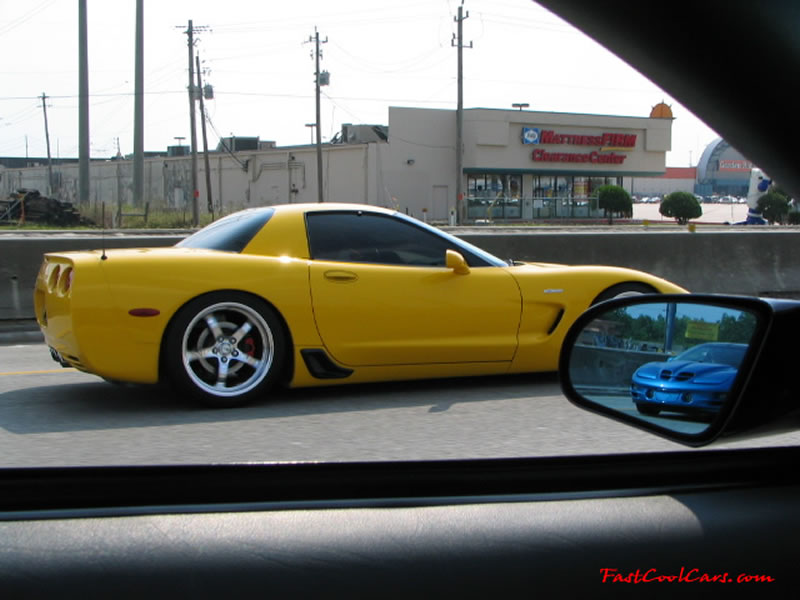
x,y
420,167
658,186
251,179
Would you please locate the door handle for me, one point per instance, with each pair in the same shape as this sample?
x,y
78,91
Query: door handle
x,y
338,276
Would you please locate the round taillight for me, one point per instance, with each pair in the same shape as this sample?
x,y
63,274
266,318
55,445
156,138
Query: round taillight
x,y
65,282
52,281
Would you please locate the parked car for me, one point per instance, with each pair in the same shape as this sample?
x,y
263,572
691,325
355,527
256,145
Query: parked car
x,y
695,381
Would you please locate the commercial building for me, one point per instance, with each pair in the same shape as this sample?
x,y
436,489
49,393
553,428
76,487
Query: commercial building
x,y
676,179
517,165
723,170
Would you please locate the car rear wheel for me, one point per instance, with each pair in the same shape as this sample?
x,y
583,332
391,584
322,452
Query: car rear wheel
x,y
225,349
620,290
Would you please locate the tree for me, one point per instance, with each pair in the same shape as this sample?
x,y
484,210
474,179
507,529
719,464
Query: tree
x,y
681,206
737,329
773,206
614,199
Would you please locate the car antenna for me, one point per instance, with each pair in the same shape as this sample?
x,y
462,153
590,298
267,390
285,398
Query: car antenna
x,y
103,234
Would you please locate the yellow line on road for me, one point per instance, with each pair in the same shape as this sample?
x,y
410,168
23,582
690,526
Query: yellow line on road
x,y
44,372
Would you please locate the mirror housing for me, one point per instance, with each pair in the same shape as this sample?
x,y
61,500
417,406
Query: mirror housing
x,y
455,261
691,368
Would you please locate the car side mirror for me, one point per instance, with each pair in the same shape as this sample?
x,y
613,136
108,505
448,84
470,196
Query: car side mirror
x,y
691,368
455,261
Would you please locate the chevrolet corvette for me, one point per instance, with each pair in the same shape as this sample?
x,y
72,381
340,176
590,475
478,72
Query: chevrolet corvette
x,y
313,294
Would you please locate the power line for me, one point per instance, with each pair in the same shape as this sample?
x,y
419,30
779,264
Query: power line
x,y
26,17
223,143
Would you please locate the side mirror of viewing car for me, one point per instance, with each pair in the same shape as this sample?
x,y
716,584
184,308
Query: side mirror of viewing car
x,y
454,260
691,368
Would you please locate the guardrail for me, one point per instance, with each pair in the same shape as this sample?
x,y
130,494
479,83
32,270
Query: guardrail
x,y
756,262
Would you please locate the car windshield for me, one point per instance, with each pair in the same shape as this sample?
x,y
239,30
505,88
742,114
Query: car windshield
x,y
726,354
544,148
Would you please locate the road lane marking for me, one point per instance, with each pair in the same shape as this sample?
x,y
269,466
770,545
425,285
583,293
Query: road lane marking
x,y
43,372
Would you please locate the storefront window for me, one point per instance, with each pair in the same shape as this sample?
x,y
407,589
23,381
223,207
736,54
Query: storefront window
x,y
501,196
580,189
513,199
542,197
494,196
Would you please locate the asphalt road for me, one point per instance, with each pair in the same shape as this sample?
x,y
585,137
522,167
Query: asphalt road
x,y
54,416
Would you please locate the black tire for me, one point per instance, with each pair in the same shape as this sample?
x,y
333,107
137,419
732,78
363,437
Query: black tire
x,y
650,411
225,349
631,288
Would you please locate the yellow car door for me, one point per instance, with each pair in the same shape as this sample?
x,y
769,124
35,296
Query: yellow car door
x,y
383,295
370,314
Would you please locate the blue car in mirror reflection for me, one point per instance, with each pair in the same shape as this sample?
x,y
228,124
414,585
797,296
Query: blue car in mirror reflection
x,y
696,381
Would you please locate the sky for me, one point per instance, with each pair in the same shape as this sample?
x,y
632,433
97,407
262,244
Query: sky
x,y
257,57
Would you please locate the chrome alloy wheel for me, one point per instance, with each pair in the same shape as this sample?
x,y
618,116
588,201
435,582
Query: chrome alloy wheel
x,y
227,349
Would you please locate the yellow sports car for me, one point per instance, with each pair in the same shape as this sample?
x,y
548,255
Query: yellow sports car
x,y
312,294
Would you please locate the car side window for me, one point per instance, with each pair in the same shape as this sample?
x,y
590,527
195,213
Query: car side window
x,y
372,238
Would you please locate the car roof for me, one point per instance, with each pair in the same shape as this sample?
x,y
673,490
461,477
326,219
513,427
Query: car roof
x,y
330,206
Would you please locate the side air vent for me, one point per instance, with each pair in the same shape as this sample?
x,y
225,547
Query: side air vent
x,y
321,366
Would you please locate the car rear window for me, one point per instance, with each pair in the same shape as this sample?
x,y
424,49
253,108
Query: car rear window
x,y
230,234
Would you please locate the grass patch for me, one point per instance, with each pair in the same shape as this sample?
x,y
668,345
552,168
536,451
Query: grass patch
x,y
132,217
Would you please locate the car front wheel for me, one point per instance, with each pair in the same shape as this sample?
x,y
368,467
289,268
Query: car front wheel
x,y
225,349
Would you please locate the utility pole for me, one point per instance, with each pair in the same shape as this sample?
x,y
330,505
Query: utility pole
x,y
193,124
320,80
47,139
190,29
459,44
205,138
83,105
138,109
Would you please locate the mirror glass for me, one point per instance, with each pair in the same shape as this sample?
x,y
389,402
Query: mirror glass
x,y
672,364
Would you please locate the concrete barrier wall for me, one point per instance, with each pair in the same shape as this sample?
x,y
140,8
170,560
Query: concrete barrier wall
x,y
21,256
757,262
753,262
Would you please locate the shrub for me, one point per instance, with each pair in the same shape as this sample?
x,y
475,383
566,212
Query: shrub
x,y
773,206
614,199
681,206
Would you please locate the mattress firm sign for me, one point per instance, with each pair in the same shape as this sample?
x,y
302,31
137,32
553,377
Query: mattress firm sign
x,y
608,145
